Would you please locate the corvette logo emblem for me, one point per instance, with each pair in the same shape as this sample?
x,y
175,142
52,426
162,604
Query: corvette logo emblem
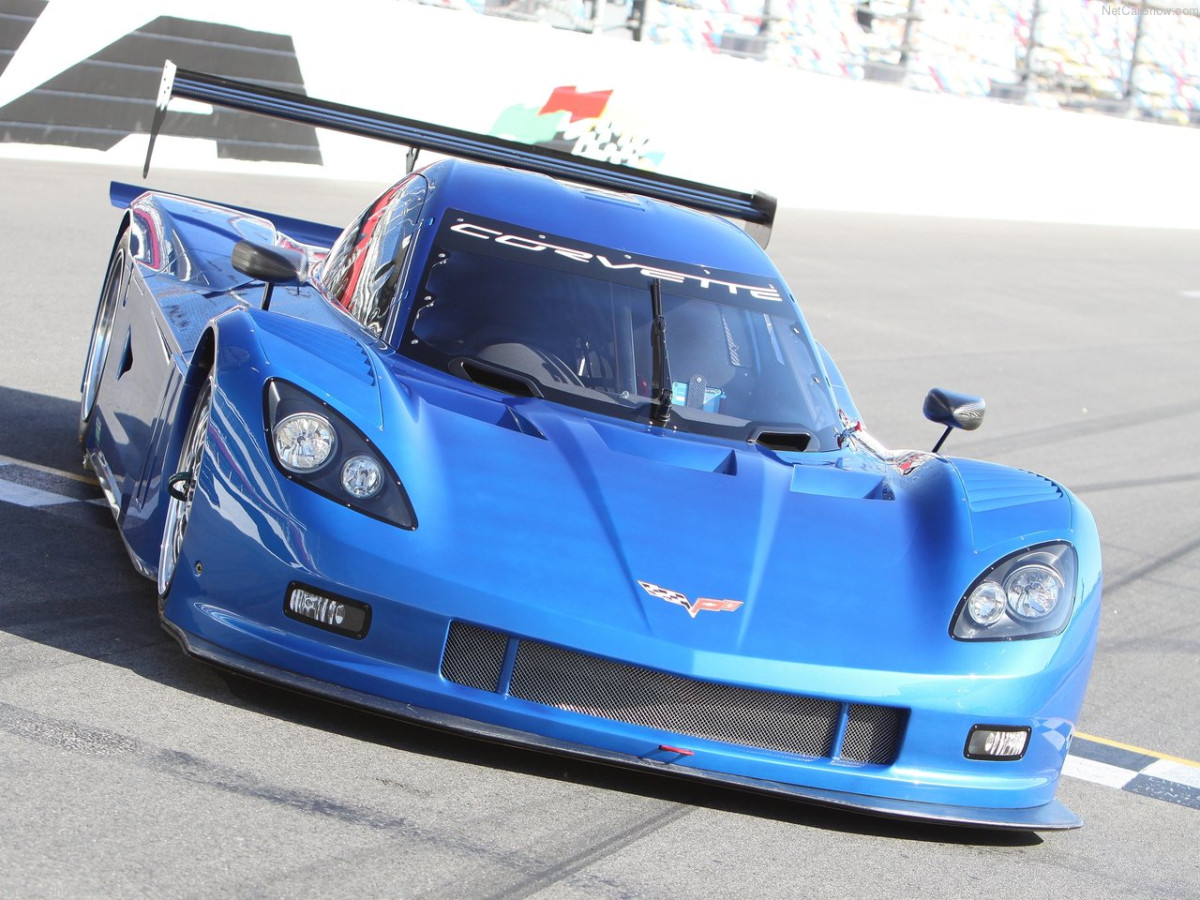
x,y
703,604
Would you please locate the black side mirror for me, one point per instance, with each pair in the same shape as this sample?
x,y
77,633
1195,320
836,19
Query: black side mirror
x,y
273,265
954,410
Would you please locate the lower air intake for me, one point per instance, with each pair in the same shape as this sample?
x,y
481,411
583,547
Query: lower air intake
x,y
590,685
474,656
872,734
805,726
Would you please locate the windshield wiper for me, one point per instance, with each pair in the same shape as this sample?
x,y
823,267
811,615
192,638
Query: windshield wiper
x,y
660,378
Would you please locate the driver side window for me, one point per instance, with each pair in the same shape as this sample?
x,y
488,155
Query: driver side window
x,y
362,272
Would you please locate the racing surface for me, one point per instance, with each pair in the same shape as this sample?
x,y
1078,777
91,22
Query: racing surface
x,y
129,770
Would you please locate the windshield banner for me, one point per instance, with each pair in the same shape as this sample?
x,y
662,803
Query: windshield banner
x,y
478,234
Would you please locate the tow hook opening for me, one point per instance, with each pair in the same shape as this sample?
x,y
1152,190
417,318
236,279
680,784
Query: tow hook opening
x,y
179,486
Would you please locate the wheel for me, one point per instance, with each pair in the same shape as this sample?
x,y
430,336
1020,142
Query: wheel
x,y
181,488
97,355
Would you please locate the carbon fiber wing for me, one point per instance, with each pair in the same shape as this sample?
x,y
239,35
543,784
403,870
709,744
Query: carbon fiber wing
x,y
756,210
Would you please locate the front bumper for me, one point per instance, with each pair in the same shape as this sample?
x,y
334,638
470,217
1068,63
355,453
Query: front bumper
x,y
250,536
1046,817
227,607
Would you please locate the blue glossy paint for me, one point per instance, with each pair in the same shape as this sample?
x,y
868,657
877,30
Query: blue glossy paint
x,y
844,566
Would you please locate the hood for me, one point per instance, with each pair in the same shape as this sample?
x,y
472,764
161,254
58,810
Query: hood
x,y
543,520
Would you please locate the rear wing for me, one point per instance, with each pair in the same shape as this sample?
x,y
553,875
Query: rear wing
x,y
757,210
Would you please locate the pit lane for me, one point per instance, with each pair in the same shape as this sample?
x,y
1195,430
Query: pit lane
x,y
131,770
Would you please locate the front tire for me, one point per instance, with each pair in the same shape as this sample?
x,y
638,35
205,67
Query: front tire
x,y
183,490
98,348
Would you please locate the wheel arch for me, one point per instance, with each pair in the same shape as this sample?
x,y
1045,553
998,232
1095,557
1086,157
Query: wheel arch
x,y
122,234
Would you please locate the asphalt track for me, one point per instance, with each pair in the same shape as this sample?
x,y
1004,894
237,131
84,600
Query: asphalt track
x,y
128,770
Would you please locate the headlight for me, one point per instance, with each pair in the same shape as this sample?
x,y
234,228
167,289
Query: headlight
x,y
317,447
1033,592
1029,594
362,477
304,442
985,605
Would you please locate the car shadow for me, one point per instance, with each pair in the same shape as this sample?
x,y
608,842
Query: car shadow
x,y
66,583
65,579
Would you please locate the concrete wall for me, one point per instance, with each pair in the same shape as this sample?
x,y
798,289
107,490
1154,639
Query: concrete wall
x,y
76,67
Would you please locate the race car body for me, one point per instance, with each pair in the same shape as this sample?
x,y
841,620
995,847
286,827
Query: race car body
x,y
563,466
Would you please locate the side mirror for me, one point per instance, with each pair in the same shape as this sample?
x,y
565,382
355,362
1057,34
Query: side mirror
x,y
273,265
954,410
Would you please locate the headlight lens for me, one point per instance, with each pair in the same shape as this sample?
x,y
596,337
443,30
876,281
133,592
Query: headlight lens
x,y
1029,594
985,605
362,477
317,447
304,442
997,742
1033,591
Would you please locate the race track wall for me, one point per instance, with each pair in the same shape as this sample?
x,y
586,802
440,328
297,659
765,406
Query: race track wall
x,y
78,78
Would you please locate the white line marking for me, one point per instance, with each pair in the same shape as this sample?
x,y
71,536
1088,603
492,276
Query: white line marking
x,y
1173,771
23,495
1097,772
74,476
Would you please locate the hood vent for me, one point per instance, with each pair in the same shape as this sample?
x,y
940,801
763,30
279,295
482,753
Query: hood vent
x,y
669,449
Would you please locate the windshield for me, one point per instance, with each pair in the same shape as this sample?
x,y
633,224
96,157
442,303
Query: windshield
x,y
572,322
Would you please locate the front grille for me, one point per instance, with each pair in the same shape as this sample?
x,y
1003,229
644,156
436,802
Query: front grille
x,y
474,656
594,686
872,734
719,712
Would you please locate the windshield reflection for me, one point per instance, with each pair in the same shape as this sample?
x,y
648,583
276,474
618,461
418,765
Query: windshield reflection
x,y
573,323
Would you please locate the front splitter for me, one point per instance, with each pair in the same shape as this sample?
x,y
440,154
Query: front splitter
x,y
1052,816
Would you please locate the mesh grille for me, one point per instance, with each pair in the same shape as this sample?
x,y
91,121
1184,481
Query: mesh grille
x,y
579,683
597,687
474,656
872,734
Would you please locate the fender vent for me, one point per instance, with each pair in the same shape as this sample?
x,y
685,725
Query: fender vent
x,y
126,357
990,487
334,348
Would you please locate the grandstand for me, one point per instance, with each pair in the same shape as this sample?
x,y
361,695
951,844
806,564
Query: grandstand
x,y
1134,59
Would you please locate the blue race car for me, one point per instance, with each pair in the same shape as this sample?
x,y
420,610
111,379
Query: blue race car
x,y
542,450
